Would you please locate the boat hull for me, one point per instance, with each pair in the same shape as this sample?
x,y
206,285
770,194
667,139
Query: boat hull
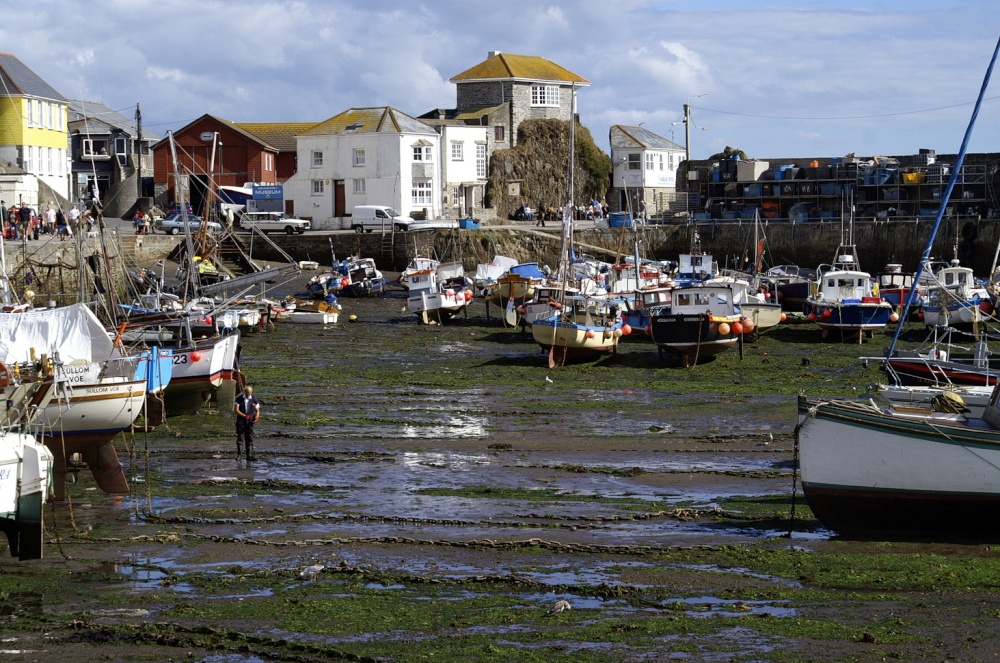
x,y
874,474
694,337
854,318
200,369
435,307
328,317
763,315
911,371
793,295
565,341
961,315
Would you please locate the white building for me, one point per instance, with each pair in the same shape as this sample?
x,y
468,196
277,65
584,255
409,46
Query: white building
x,y
463,167
366,156
644,168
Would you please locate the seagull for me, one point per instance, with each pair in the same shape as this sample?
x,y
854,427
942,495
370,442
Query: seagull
x,y
559,606
310,572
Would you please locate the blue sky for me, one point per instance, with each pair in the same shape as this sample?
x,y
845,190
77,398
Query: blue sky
x,y
779,79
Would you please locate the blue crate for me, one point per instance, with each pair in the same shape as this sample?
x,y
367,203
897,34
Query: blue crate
x,y
469,224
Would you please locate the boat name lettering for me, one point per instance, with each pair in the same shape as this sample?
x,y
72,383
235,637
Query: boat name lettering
x,y
71,370
4,474
698,319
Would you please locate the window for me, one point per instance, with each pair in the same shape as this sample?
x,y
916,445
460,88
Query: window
x,y
661,162
93,147
422,192
121,146
634,161
423,153
498,133
359,157
544,95
29,117
48,115
457,150
480,160
48,161
317,158
59,118
359,186
318,187
650,161
38,112
268,161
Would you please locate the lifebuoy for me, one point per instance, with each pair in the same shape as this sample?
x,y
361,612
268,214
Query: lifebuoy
x,y
5,377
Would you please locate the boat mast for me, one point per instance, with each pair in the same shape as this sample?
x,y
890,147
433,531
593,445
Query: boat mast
x,y
192,280
959,160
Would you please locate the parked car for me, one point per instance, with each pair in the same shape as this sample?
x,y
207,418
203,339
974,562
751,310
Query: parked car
x,y
173,224
367,218
175,208
273,222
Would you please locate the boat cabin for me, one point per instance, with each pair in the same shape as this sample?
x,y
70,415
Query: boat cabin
x,y
699,266
845,286
717,300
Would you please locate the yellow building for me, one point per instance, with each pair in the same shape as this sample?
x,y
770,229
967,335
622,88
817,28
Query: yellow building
x,y
33,133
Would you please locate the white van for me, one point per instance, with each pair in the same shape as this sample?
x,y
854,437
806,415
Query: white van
x,y
378,217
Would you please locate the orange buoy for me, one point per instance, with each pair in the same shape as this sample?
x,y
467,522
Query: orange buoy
x,y
737,327
5,375
894,317
626,330
748,326
986,307
713,329
649,330
724,328
827,313
812,317
783,316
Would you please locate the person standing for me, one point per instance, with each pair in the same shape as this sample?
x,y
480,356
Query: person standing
x,y
247,410
24,215
50,220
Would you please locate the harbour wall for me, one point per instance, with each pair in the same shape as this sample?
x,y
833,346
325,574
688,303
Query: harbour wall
x,y
807,245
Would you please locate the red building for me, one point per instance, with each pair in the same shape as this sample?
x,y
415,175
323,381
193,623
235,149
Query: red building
x,y
244,152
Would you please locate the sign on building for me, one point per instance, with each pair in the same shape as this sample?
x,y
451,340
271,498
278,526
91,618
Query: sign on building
x,y
267,198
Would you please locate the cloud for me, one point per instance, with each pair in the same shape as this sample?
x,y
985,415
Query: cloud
x,y
300,60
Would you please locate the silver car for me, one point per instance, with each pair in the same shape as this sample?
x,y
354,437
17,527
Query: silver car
x,y
173,224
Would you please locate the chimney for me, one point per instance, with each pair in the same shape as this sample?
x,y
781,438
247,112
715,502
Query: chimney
x,y
493,54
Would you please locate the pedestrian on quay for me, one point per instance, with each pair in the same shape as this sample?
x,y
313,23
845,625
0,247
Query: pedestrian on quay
x,y
50,220
24,215
61,226
247,410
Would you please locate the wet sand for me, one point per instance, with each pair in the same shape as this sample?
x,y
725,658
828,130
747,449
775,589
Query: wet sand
x,y
452,495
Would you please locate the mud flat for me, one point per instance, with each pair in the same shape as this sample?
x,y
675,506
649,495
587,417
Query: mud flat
x,y
451,495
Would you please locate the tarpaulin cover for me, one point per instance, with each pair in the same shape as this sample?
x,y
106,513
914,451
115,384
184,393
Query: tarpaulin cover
x,y
72,331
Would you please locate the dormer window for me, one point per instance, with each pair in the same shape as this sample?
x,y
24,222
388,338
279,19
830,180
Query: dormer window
x,y
545,95
423,153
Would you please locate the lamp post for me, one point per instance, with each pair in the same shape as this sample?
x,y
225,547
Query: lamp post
x,y
687,126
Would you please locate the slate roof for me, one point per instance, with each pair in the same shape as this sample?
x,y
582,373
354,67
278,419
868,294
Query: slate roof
x,y
380,119
16,80
101,119
280,135
625,136
506,66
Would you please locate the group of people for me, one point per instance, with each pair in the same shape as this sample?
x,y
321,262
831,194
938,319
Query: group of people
x,y
142,222
23,222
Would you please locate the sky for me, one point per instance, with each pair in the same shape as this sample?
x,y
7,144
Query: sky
x,y
788,78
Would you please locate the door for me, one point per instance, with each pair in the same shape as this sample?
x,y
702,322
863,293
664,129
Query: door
x,y
470,201
622,200
339,199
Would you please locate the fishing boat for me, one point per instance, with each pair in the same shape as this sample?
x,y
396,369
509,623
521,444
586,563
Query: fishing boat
x,y
361,278
488,273
894,284
695,267
845,300
417,265
971,401
752,302
697,323
897,471
517,285
579,327
645,304
955,300
792,286
102,389
25,465
325,312
437,294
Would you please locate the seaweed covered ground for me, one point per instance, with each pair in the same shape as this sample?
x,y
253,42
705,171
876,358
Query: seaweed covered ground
x,y
432,493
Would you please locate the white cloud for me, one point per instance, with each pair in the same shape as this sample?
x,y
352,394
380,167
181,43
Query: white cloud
x,y
274,60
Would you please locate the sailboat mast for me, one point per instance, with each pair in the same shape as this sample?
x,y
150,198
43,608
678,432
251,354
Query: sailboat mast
x,y
192,272
946,196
